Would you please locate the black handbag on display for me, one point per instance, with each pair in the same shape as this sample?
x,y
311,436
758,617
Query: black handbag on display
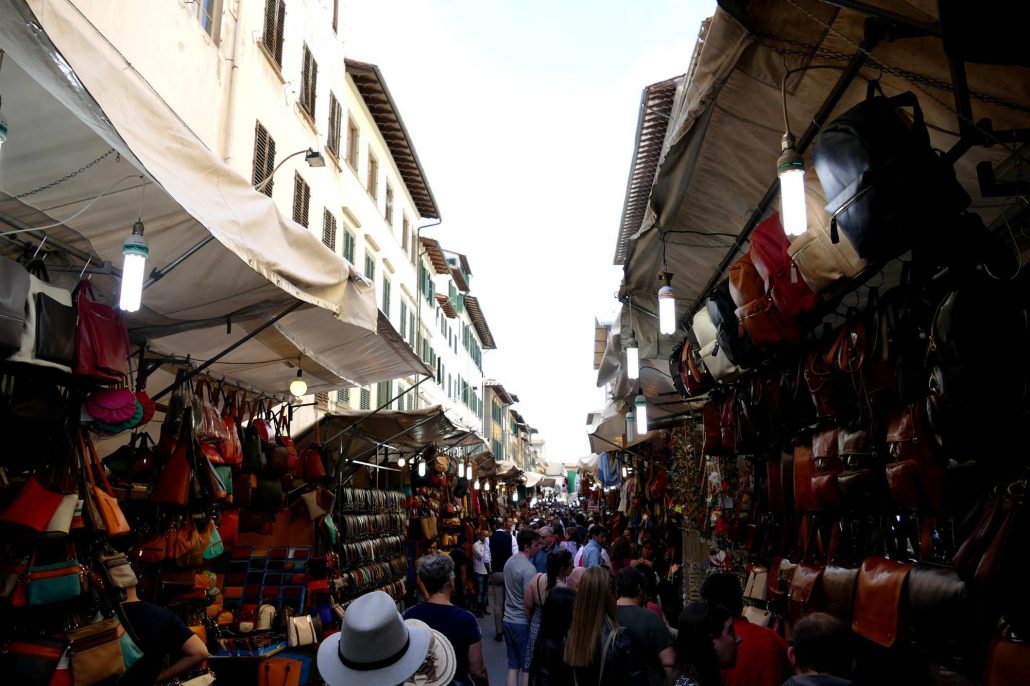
x,y
733,340
14,291
886,185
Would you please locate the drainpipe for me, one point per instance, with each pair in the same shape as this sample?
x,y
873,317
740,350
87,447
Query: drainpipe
x,y
418,298
229,109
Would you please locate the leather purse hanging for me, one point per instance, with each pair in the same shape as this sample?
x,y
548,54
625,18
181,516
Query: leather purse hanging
x,y
789,293
33,507
944,620
804,470
837,593
48,339
826,266
881,583
1007,663
114,521
712,418
14,291
802,590
102,342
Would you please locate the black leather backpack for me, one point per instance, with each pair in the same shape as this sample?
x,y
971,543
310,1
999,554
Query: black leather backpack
x,y
887,187
731,336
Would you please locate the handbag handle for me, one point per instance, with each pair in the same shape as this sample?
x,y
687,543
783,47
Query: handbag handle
x,y
91,462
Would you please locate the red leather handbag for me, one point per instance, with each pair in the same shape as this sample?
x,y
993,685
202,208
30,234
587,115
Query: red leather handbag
x,y
33,507
101,339
783,282
173,484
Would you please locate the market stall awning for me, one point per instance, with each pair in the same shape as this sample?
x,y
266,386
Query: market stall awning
x,y
401,432
534,479
226,256
588,463
507,470
718,167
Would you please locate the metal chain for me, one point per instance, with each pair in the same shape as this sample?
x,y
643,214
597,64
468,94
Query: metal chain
x,y
1017,156
809,50
62,180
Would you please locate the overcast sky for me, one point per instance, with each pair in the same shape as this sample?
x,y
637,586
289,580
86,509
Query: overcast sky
x,y
523,114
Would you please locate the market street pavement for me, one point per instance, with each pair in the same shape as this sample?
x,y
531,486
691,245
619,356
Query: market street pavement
x,y
495,655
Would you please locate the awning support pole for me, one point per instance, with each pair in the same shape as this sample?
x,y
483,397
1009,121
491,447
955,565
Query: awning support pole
x,y
358,423
60,245
839,89
339,460
252,334
159,274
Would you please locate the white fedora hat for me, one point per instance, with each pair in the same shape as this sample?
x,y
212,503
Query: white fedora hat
x,y
375,646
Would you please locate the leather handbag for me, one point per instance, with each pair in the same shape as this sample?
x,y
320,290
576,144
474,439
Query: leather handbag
x,y
728,422
31,661
711,415
765,324
14,292
944,620
712,355
804,470
101,342
118,570
731,337
695,376
757,584
827,267
1007,663
173,483
822,384
33,507
301,631
54,583
279,671
112,405
802,590
790,296
757,616
231,449
745,282
48,339
838,592
96,652
268,495
313,460
114,521
60,523
881,583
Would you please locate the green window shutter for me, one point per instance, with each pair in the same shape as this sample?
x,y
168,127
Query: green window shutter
x,y
386,296
366,399
404,320
348,246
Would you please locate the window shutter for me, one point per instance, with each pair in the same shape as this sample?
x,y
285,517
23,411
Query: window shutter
x,y
309,83
386,296
348,246
301,200
275,22
404,320
329,230
366,399
264,158
335,121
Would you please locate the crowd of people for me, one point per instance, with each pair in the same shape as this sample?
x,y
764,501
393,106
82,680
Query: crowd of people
x,y
572,609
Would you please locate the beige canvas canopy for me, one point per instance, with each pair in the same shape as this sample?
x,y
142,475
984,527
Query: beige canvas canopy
x,y
228,261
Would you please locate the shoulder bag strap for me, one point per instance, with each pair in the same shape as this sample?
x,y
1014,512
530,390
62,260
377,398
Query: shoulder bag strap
x,y
604,653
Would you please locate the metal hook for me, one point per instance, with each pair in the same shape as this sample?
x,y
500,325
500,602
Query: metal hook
x,y
89,258
40,246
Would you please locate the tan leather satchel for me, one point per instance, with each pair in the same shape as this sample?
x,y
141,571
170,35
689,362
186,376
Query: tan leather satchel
x,y
824,265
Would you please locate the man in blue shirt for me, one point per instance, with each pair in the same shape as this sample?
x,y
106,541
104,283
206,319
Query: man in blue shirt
x,y
459,626
546,546
592,551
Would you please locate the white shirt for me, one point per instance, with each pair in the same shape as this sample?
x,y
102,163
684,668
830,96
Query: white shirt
x,y
478,557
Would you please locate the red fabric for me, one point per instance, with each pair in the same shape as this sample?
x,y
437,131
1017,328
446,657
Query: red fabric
x,y
761,657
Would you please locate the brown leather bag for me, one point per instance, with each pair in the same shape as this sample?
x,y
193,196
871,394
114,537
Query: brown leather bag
x,y
881,583
1007,663
804,470
712,418
765,324
728,422
838,592
822,384
746,283
826,266
774,485
944,622
802,590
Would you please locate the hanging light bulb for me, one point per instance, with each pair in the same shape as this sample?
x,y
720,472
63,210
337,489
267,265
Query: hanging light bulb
x,y
134,262
468,471
631,426
640,402
632,357
401,462
299,386
515,495
486,486
475,486
791,169
422,468
666,305
624,472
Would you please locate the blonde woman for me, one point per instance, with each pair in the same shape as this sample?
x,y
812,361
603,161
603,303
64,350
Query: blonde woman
x,y
597,650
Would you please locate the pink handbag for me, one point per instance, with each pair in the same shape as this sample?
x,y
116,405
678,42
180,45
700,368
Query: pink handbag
x,y
111,405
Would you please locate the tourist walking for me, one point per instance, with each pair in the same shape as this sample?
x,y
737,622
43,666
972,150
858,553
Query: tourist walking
x,y
705,644
518,571
548,667
598,651
479,571
496,555
762,656
559,565
437,574
651,638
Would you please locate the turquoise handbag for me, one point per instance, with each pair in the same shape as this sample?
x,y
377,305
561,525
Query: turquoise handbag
x,y
215,547
130,651
54,583
224,472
